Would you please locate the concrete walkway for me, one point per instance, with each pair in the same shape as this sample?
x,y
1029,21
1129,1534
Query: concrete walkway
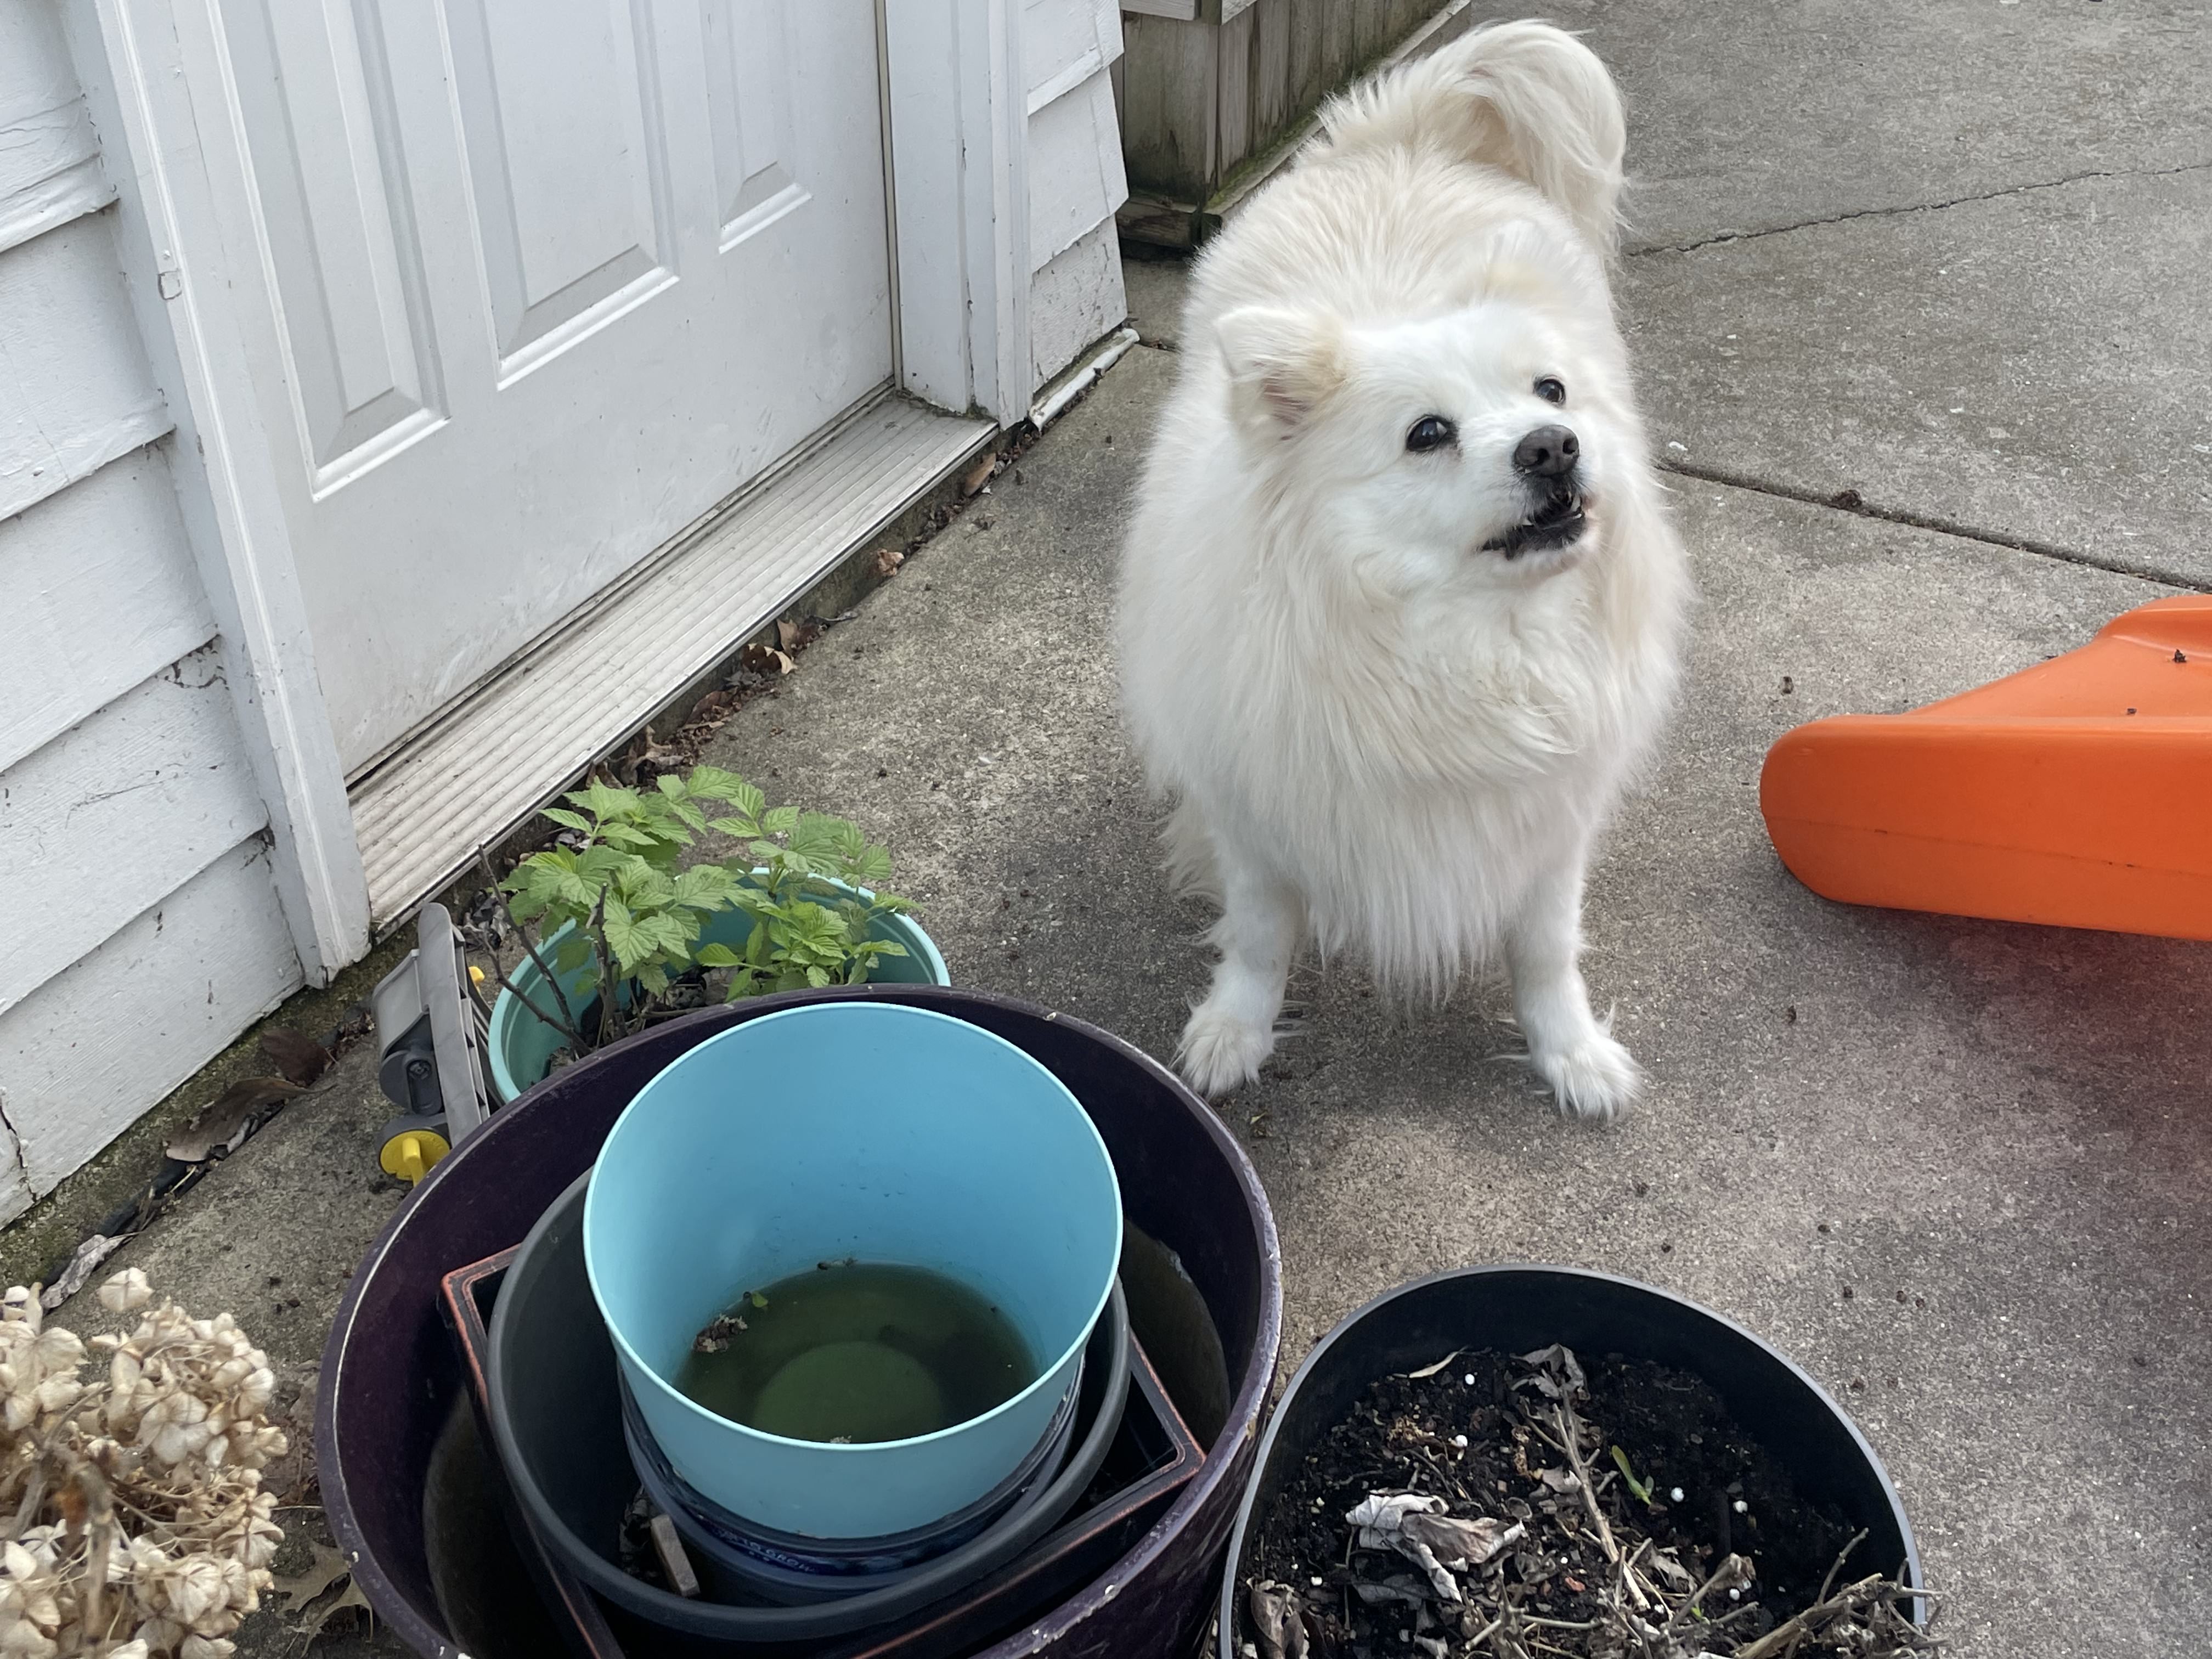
x,y
1951,257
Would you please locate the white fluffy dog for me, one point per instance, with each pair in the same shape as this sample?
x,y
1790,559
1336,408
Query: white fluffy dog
x,y
1399,605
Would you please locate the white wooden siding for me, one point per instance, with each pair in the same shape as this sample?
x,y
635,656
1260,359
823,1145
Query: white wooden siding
x,y
142,931
1076,180
76,392
91,1049
49,158
163,757
1077,299
97,593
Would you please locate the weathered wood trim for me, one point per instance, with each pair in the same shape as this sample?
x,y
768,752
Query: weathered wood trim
x,y
1283,71
958,120
1207,94
131,55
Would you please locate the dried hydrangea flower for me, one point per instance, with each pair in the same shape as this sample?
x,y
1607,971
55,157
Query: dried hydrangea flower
x,y
168,1438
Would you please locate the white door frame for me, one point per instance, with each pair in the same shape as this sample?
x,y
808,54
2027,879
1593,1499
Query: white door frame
x,y
957,194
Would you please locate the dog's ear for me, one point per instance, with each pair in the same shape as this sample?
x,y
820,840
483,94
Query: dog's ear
x,y
1281,364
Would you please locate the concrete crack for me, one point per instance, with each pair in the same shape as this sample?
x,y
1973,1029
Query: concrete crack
x,y
1850,501
1724,237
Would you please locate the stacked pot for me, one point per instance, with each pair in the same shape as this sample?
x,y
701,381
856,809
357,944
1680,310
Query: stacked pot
x,y
844,1130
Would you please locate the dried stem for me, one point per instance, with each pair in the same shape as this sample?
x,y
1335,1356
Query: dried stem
x,y
568,1021
1827,1584
1733,1571
1569,1427
1850,1599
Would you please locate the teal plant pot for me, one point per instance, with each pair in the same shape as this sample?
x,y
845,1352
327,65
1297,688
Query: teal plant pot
x,y
522,1045
850,1129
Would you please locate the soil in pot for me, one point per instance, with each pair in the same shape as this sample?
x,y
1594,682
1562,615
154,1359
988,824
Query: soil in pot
x,y
1518,1506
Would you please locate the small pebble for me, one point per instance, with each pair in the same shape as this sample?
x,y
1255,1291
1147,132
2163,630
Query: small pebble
x,y
1317,1581
1468,1379
1741,1507
1460,1440
1674,1494
1735,1595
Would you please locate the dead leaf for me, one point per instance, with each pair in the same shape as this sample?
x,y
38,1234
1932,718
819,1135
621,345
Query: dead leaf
x,y
228,1120
89,1254
1380,1519
713,705
888,559
329,1566
1558,1374
979,475
358,1023
767,660
311,1623
1664,1565
1430,1370
1277,1621
1460,1544
793,634
297,1057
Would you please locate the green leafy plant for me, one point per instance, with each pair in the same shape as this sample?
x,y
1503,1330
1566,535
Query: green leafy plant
x,y
636,912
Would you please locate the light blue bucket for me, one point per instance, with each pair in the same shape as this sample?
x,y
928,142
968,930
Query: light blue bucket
x,y
862,1129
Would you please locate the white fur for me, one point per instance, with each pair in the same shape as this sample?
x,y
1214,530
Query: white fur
x,y
1379,737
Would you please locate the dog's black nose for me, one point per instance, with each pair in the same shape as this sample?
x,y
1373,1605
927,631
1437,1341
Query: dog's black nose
x,y
1547,451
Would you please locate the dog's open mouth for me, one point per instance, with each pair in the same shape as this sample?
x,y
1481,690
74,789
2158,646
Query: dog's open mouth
x,y
1555,524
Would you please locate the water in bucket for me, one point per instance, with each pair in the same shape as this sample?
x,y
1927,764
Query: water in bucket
x,y
857,1353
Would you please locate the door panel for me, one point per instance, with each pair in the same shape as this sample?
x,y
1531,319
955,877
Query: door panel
x,y
569,173
749,77
340,233
549,279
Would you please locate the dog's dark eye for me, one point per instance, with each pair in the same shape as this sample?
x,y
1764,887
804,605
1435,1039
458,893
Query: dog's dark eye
x,y
1431,432
1551,390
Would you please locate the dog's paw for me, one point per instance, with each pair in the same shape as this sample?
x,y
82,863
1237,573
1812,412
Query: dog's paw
x,y
1594,1078
1218,1052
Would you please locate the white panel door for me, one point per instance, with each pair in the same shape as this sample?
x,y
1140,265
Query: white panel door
x,y
546,280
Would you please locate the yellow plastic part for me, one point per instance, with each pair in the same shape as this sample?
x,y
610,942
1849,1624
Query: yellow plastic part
x,y
413,1155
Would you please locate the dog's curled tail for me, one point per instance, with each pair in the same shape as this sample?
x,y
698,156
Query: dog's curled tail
x,y
1527,97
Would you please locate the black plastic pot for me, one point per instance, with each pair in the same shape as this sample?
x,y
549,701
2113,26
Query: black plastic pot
x,y
1520,1309
1147,1466
556,1410
405,1478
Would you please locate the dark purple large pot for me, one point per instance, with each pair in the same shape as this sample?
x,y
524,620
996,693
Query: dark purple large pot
x,y
402,1475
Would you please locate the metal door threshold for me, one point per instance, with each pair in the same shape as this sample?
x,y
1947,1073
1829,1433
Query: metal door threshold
x,y
490,761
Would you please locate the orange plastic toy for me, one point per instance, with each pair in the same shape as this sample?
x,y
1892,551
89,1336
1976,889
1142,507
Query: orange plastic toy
x,y
2077,793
